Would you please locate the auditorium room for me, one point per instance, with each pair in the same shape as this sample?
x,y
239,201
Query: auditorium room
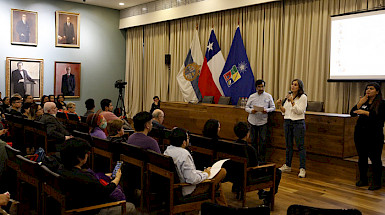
x,y
195,107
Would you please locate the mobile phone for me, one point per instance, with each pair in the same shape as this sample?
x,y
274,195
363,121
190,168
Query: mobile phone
x,y
117,167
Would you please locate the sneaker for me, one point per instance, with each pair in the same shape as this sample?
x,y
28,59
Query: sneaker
x,y
285,168
302,173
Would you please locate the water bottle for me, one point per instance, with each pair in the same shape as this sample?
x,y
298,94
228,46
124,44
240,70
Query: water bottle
x,y
243,102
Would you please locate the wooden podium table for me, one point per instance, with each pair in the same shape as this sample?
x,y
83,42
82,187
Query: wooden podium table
x,y
326,133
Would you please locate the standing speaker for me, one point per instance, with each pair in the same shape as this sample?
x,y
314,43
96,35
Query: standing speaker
x,y
167,59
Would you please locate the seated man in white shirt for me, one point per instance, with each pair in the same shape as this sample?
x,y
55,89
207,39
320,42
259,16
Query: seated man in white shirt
x,y
179,140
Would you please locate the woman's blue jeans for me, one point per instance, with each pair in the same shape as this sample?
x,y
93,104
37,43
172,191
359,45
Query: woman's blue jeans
x,y
295,130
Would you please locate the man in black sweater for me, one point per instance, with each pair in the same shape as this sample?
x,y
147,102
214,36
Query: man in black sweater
x,y
55,129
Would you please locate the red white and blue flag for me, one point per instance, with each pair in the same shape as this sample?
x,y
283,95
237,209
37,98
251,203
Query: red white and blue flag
x,y
211,69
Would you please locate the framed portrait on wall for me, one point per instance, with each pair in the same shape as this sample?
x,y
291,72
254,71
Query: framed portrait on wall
x,y
23,27
24,76
67,79
67,29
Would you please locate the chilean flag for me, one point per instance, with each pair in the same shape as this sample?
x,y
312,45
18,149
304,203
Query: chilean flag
x,y
211,69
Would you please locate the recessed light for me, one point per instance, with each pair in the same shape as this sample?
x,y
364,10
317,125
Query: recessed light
x,y
121,3
144,9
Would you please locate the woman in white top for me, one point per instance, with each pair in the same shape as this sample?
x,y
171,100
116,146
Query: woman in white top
x,y
293,109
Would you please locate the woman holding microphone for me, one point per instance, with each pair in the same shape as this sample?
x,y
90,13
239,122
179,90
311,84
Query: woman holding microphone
x,y
293,109
369,135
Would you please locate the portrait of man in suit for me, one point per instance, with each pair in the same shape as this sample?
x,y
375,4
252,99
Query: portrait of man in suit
x,y
67,29
24,27
68,83
67,79
19,79
69,33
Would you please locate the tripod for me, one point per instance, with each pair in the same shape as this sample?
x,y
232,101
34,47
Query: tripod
x,y
120,109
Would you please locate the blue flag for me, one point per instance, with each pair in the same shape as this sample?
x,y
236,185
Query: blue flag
x,y
237,79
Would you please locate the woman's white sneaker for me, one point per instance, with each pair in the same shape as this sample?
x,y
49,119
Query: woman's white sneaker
x,y
302,173
285,168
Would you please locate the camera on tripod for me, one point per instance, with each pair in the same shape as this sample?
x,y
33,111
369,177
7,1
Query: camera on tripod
x,y
120,84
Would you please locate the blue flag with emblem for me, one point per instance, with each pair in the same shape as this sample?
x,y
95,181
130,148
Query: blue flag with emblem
x,y
237,79
189,72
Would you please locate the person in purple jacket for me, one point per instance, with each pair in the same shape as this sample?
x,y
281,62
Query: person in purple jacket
x,y
143,125
97,125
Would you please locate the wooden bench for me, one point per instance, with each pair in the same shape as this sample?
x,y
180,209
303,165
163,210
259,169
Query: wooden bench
x,y
253,178
163,166
53,191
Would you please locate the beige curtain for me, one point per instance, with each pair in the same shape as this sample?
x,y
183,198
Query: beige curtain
x,y
134,68
155,71
305,51
284,40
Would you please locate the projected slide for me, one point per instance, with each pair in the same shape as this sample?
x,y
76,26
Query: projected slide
x,y
358,46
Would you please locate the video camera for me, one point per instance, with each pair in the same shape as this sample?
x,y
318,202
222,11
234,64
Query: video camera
x,y
120,84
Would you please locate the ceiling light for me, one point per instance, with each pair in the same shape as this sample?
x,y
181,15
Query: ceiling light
x,y
144,9
121,3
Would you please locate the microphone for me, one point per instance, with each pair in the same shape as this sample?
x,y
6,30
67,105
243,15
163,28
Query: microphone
x,y
290,92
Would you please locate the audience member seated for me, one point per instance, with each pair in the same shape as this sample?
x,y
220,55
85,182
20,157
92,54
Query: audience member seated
x,y
107,110
71,108
6,105
60,104
97,125
84,186
179,140
242,131
155,105
90,105
55,129
143,125
16,106
43,100
51,98
211,129
26,111
28,99
157,119
107,113
115,131
36,111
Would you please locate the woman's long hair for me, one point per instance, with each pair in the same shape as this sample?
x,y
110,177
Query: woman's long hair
x,y
301,91
377,100
211,128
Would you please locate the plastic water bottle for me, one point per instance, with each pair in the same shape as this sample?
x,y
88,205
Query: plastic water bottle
x,y
243,102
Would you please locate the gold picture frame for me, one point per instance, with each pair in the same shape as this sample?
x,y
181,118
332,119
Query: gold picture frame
x,y
24,76
24,27
71,88
67,31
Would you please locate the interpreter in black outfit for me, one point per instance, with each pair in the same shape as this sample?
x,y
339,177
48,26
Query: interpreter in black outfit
x,y
83,187
156,104
369,135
